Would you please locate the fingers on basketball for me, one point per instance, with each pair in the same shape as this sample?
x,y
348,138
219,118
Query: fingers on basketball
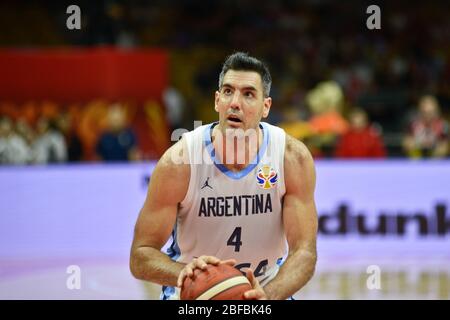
x,y
230,262
200,263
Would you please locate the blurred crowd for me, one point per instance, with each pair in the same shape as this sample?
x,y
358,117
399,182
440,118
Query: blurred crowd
x,y
346,91
105,132
19,144
41,133
54,140
330,132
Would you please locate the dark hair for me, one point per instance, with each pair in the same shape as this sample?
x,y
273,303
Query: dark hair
x,y
241,61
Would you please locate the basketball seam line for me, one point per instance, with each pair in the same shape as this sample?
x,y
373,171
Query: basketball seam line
x,y
237,284
215,290
218,283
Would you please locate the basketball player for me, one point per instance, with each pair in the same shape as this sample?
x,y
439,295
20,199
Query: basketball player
x,y
254,209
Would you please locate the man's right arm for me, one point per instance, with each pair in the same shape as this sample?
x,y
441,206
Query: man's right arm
x,y
168,186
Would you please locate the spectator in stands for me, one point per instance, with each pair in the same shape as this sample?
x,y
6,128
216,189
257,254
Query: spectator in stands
x,y
327,123
25,131
118,142
50,145
362,140
74,145
428,132
175,106
13,148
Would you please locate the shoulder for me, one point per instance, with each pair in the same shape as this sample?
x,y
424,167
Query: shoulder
x,y
174,163
170,178
296,153
299,170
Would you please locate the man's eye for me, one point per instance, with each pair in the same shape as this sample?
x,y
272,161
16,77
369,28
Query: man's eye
x,y
227,91
249,94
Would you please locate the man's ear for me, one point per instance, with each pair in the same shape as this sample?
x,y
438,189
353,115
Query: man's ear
x,y
267,105
216,101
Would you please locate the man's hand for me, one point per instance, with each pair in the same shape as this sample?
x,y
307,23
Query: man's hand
x,y
257,293
200,263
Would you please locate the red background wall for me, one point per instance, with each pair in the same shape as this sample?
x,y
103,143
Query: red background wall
x,y
76,75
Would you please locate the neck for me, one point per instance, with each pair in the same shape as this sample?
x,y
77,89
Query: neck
x,y
234,148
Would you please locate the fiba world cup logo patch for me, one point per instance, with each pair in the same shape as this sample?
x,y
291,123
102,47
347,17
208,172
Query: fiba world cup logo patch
x,y
266,177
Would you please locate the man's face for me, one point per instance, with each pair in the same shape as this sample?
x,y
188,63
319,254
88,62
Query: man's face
x,y
428,109
5,127
358,120
240,101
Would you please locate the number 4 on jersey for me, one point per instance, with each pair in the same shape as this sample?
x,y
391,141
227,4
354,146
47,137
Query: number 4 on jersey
x,y
235,239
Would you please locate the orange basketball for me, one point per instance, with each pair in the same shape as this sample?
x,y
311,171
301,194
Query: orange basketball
x,y
222,282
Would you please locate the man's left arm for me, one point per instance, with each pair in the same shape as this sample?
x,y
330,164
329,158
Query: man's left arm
x,y
300,222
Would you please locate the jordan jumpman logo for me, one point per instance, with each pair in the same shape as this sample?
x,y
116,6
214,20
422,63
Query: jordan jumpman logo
x,y
206,184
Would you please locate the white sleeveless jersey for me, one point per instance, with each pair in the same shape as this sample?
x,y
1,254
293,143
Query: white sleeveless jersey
x,y
232,214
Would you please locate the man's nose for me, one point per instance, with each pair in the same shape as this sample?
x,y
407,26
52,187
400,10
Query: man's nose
x,y
236,101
